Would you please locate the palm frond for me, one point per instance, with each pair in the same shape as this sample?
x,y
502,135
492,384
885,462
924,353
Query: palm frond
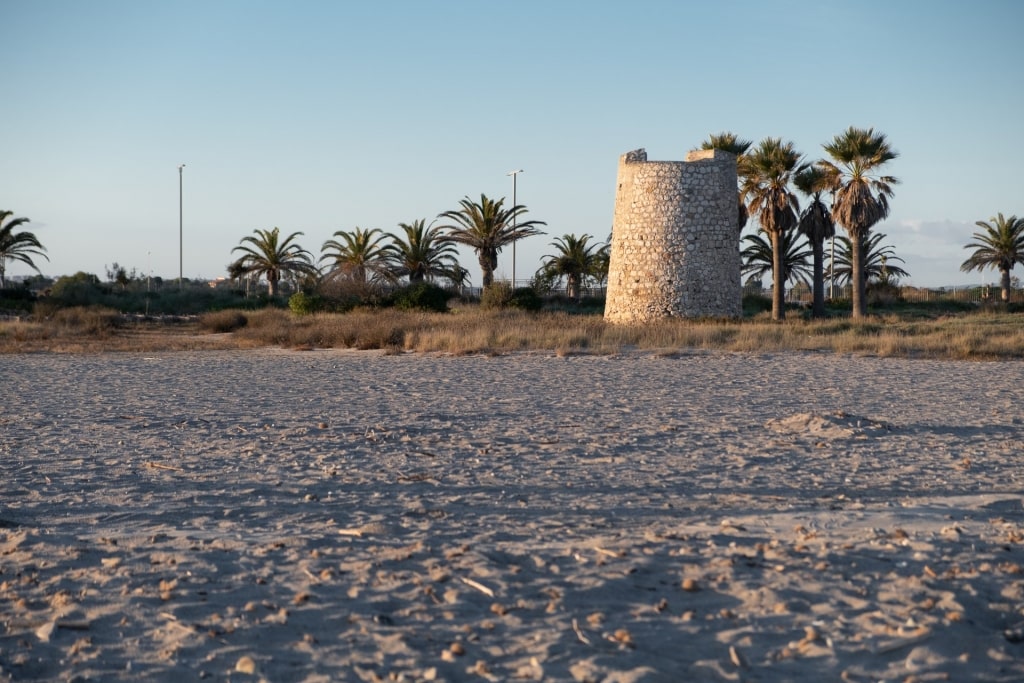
x,y
758,259
486,227
726,141
17,246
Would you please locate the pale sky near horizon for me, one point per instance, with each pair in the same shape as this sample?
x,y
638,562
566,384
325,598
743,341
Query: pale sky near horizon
x,y
322,116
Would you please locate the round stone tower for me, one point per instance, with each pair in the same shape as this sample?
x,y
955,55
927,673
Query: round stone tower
x,y
675,239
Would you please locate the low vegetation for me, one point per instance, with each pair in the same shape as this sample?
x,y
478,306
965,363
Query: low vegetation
x,y
917,331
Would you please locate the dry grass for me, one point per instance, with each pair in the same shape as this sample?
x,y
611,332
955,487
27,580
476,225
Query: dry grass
x,y
980,336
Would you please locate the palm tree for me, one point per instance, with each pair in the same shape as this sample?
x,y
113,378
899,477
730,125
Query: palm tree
x,y
486,227
602,261
17,246
266,255
877,261
732,143
817,225
575,260
759,257
1001,246
766,174
423,254
860,197
358,255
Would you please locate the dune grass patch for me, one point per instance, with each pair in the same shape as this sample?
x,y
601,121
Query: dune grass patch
x,y
472,329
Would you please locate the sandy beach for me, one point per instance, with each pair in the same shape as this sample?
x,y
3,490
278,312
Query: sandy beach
x,y
351,516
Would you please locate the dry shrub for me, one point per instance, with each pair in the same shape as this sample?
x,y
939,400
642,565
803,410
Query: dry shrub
x,y
86,321
17,332
222,321
270,326
471,330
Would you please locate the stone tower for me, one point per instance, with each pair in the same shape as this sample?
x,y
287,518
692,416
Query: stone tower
x,y
675,239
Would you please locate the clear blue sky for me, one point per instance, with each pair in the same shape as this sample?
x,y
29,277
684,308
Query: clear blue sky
x,y
324,116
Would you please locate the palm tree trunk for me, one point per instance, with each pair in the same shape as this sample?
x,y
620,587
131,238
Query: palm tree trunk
x,y
1005,283
857,277
486,271
818,305
488,259
778,278
271,285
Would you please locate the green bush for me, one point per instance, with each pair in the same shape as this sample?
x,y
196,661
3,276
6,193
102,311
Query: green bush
x,y
301,303
756,303
498,295
422,295
526,299
882,294
501,295
16,299
80,289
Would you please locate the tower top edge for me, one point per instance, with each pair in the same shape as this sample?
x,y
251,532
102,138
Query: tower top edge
x,y
638,156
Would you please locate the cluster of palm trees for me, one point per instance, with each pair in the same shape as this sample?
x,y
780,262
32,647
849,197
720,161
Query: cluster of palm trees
x,y
798,260
768,175
419,253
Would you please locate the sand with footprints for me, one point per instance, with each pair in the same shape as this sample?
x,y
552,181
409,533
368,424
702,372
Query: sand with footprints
x,y
340,516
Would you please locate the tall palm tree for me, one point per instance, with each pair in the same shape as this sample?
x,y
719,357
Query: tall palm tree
x,y
1000,246
575,260
422,254
759,257
817,225
359,255
486,227
860,196
766,174
17,246
266,254
877,261
734,144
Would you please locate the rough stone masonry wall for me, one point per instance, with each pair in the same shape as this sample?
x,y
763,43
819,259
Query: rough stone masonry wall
x,y
675,240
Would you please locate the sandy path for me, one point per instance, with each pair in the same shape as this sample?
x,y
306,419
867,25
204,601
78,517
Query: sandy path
x,y
321,516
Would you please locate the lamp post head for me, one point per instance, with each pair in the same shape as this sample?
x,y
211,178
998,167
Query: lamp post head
x,y
512,173
181,166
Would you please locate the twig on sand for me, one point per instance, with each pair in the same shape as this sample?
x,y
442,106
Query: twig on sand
x,y
479,586
358,532
420,476
158,466
579,633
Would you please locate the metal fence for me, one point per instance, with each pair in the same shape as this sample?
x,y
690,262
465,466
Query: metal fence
x,y
977,294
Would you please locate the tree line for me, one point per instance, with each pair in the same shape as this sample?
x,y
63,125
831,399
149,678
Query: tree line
x,y
848,188
852,179
419,252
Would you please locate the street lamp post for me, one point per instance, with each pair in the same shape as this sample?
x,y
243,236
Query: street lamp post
x,y
515,176
181,234
832,271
